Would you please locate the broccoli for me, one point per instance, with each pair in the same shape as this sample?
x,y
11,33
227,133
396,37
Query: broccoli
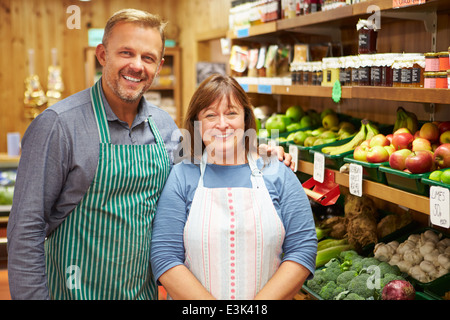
x,y
388,277
316,283
345,277
331,274
353,296
338,290
370,261
348,255
359,286
327,291
356,265
333,263
386,268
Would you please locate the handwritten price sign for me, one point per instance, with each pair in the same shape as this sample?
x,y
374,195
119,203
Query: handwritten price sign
x,y
440,206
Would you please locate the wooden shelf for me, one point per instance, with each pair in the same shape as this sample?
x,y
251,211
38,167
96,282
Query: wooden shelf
x,y
378,190
346,15
420,95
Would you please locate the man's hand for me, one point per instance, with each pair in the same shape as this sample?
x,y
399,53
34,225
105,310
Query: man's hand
x,y
269,150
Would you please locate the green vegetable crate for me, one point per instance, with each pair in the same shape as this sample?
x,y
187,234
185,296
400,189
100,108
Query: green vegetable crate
x,y
429,182
406,181
370,170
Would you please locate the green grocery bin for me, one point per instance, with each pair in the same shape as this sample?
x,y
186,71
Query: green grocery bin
x,y
370,170
406,181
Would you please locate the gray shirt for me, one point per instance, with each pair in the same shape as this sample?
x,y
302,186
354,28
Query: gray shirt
x,y
59,159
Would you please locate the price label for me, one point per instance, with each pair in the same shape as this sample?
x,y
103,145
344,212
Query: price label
x,y
293,151
440,206
355,179
319,167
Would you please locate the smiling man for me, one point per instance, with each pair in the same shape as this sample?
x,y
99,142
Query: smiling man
x,y
91,171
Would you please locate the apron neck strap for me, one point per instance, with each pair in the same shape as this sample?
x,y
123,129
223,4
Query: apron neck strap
x,y
99,112
256,176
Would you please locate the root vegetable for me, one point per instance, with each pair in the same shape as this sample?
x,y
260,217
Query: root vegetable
x,y
383,252
427,247
427,267
395,259
429,235
432,257
413,256
398,290
417,273
444,261
404,266
405,246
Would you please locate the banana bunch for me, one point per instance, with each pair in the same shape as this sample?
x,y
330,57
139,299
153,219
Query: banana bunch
x,y
367,131
407,120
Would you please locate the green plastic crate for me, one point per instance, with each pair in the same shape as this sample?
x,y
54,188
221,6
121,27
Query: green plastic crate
x,y
370,170
406,181
429,182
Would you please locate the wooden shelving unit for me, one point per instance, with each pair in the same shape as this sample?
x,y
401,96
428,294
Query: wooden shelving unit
x,y
330,23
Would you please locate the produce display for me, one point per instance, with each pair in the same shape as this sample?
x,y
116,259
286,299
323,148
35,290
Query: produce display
x,y
7,181
423,256
409,148
351,276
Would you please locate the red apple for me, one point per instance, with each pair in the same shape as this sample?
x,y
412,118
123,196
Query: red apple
x,y
442,156
444,137
419,162
444,126
402,130
402,140
417,134
389,137
421,144
360,153
379,140
366,143
398,158
429,131
377,154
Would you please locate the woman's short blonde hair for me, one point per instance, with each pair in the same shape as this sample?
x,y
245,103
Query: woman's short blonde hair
x,y
140,17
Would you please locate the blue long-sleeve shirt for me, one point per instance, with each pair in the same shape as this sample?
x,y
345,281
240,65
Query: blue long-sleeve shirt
x,y
59,159
289,199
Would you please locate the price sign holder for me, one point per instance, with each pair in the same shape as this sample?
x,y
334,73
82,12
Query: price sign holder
x,y
355,178
440,206
326,193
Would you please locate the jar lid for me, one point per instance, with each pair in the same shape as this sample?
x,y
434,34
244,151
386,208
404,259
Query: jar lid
x,y
443,53
431,55
441,74
429,74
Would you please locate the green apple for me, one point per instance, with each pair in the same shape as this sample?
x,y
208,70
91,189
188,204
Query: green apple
x,y
293,126
290,137
435,175
295,113
445,176
327,134
330,121
275,123
287,121
300,137
318,131
306,121
258,124
326,112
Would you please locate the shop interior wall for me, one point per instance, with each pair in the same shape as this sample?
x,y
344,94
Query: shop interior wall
x,y
42,25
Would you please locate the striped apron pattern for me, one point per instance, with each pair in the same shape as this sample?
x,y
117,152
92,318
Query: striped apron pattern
x,y
233,237
102,249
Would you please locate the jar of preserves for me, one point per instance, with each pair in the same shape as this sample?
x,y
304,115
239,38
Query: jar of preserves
x,y
364,70
441,80
418,68
431,62
367,37
396,72
376,71
429,80
387,71
443,61
355,62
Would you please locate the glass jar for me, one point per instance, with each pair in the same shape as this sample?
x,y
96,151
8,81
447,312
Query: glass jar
x,y
417,79
441,80
448,79
364,70
431,62
376,77
443,61
387,71
429,80
367,37
311,6
355,63
396,72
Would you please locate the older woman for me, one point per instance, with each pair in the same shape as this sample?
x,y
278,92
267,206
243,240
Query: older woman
x,y
228,225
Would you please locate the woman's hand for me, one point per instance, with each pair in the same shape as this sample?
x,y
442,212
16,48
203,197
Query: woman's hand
x,y
266,151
